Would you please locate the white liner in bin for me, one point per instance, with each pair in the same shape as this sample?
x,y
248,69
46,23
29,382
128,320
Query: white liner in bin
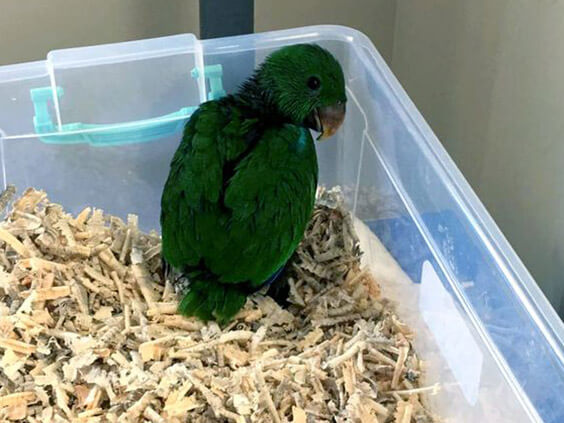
x,y
489,336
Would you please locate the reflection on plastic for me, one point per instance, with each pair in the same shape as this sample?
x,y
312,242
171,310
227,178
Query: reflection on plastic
x,y
453,337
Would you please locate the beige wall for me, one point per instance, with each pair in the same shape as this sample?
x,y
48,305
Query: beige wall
x,y
489,78
373,17
31,28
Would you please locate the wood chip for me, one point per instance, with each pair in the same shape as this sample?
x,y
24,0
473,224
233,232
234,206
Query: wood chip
x,y
13,242
17,346
402,356
6,197
52,293
89,332
17,398
299,415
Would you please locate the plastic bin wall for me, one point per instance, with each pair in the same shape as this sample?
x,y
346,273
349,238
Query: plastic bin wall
x,y
489,336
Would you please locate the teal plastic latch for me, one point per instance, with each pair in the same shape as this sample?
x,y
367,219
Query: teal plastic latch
x,y
214,74
118,133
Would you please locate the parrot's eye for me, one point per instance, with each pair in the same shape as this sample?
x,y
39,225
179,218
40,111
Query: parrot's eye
x,y
313,82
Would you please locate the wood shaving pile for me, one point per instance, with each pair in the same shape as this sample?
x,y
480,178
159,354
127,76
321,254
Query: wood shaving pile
x,y
88,332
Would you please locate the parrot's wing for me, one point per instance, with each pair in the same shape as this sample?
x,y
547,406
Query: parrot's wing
x,y
237,200
191,205
271,196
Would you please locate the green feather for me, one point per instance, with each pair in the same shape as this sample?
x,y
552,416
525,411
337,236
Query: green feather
x,y
211,300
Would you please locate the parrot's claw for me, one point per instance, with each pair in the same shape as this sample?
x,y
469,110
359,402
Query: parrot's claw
x,y
179,280
181,284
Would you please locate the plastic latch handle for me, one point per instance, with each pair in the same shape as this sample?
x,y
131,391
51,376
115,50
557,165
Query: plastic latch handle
x,y
42,120
214,74
118,133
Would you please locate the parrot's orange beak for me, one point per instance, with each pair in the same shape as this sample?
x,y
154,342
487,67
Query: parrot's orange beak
x,y
327,120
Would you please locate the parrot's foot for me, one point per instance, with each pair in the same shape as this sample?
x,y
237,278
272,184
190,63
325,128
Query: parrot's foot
x,y
179,280
212,300
181,284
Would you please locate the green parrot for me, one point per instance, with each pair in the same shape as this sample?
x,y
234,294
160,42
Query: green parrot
x,y
242,183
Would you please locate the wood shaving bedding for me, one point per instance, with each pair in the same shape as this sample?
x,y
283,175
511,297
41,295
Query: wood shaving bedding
x,y
88,331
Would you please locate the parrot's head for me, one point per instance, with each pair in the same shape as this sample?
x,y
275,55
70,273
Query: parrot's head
x,y
306,84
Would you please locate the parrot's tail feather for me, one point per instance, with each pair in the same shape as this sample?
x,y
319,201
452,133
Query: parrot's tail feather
x,y
211,300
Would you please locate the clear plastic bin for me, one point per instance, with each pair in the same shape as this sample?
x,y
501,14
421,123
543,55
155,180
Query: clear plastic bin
x,y
98,126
